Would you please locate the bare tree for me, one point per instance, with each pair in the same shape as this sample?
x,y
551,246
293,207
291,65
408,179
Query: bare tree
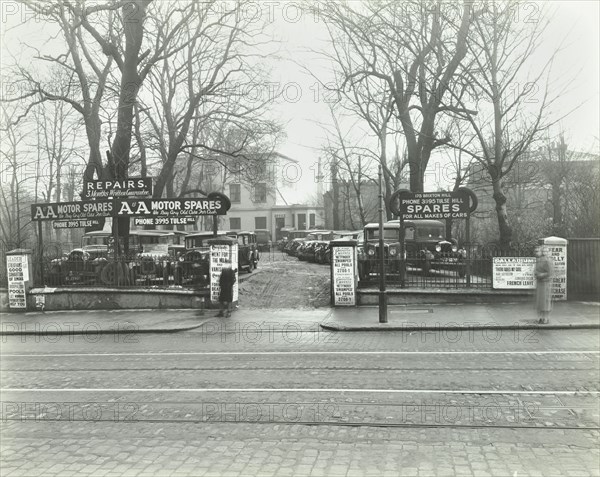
x,y
414,49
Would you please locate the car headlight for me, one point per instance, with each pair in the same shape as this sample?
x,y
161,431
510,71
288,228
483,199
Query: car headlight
x,y
438,248
393,251
371,251
454,248
463,253
182,258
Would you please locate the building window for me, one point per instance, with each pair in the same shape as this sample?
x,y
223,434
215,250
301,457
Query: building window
x,y
301,221
312,220
235,223
235,193
260,193
260,223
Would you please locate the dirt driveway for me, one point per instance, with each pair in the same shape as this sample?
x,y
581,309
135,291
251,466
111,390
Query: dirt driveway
x,y
285,282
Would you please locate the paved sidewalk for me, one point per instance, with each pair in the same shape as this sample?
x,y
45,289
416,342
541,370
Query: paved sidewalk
x,y
572,315
566,315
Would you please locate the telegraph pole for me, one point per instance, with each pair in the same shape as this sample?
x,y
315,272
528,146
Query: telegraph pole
x,y
382,295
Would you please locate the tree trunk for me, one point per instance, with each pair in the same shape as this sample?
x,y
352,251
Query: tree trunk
x,y
501,212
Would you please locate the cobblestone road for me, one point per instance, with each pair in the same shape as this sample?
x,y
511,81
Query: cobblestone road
x,y
229,402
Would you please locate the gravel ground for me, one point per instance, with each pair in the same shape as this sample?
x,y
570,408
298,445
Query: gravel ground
x,y
285,282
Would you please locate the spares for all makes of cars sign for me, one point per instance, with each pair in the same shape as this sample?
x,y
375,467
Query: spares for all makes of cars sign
x,y
132,187
434,205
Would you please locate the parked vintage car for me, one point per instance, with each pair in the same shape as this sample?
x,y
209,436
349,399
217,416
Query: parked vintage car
x,y
263,240
306,251
368,249
428,249
323,252
79,267
248,254
292,247
193,265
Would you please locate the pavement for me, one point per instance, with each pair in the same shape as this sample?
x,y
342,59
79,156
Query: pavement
x,y
566,315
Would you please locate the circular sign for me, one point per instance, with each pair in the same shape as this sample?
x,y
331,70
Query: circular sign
x,y
473,197
394,202
222,197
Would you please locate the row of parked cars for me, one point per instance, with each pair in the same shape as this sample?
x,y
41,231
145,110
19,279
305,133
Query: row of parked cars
x,y
165,256
313,245
426,247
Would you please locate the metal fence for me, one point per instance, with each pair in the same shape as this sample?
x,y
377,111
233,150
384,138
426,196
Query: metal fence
x,y
583,268
472,271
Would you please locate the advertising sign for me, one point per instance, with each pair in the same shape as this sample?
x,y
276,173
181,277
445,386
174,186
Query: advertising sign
x,y
513,273
433,205
557,252
85,210
71,210
74,224
164,220
171,207
18,276
343,263
132,187
219,255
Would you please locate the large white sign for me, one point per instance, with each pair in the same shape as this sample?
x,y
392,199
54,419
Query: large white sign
x,y
558,255
219,255
343,263
513,273
18,276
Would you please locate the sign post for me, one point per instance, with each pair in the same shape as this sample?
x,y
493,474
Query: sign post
x,y
343,272
556,250
223,250
18,263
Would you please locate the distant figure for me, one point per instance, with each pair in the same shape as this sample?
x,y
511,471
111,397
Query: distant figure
x,y
543,289
226,281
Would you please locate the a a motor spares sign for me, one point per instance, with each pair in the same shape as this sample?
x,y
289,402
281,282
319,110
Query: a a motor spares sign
x,y
72,210
513,273
434,205
343,262
18,275
171,207
126,188
219,256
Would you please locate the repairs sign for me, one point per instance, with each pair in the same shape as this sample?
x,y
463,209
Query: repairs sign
x,y
132,187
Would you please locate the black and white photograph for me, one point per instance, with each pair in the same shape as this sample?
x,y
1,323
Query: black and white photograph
x,y
303,238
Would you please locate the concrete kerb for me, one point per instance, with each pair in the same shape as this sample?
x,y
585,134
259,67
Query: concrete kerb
x,y
489,326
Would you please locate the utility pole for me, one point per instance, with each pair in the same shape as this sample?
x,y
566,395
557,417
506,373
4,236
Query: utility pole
x,y
382,295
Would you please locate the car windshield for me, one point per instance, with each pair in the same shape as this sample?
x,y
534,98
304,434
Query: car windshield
x,y
196,242
433,232
388,234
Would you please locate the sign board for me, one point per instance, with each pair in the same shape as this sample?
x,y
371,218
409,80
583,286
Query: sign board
x,y
85,210
132,187
556,250
515,273
343,262
171,207
72,210
74,224
18,278
433,205
164,220
219,255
